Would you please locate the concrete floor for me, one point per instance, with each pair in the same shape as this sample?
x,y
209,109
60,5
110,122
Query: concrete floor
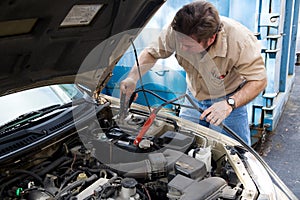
x,y
282,149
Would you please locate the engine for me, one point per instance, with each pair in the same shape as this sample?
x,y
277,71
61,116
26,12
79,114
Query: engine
x,y
102,162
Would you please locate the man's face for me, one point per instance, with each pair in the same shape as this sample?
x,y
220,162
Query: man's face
x,y
190,44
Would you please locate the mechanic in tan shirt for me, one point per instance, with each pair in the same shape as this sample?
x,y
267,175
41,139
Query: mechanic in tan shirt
x,y
223,64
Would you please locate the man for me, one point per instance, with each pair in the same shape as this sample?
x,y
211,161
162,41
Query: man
x,y
223,64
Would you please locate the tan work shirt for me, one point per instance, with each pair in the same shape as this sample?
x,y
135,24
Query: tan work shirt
x,y
234,57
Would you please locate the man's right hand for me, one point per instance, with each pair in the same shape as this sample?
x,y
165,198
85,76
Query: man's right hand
x,y
127,86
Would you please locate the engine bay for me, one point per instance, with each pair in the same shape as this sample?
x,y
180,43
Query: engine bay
x,y
102,161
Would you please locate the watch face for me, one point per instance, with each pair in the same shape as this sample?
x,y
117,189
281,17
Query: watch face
x,y
231,101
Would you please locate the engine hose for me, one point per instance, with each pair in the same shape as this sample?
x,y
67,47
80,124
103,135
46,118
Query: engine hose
x,y
54,165
21,171
39,189
140,169
101,167
74,185
114,175
40,166
69,178
144,169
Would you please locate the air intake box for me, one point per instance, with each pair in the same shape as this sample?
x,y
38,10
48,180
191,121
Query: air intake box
x,y
190,167
184,188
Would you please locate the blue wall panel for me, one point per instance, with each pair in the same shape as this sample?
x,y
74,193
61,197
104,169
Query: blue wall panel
x,y
293,42
245,12
286,45
223,6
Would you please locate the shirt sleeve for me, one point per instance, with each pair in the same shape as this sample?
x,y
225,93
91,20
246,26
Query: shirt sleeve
x,y
250,63
165,44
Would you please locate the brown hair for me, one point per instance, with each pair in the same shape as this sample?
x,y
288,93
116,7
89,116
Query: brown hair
x,y
199,19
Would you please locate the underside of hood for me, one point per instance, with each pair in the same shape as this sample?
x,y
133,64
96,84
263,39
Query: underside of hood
x,y
50,41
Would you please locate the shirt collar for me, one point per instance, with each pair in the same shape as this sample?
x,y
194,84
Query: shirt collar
x,y
219,47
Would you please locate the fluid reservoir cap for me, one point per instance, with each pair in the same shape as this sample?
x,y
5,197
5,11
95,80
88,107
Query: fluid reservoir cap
x,y
129,183
81,176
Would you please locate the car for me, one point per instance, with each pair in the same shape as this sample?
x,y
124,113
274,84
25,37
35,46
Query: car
x,y
61,137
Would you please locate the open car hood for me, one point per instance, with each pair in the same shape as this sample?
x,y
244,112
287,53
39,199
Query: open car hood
x,y
47,42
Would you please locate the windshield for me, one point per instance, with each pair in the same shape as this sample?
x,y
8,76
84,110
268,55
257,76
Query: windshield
x,y
35,99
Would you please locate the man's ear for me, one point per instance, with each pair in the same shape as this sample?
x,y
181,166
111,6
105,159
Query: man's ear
x,y
211,40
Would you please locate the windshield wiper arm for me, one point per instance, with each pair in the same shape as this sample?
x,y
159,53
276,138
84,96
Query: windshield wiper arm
x,y
28,117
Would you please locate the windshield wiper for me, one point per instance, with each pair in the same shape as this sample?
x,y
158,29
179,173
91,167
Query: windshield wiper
x,y
28,117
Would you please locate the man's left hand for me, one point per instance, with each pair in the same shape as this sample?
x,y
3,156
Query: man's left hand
x,y
216,113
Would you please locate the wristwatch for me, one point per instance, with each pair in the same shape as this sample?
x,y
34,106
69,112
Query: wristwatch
x,y
231,102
